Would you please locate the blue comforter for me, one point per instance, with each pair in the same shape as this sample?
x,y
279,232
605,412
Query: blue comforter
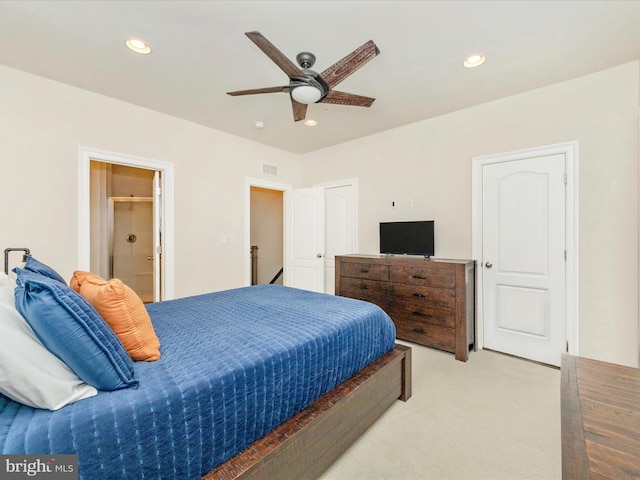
x,y
235,364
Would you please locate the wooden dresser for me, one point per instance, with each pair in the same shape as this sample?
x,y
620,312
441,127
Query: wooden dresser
x,y
600,420
431,301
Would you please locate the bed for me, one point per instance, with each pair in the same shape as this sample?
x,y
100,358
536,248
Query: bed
x,y
256,382
600,419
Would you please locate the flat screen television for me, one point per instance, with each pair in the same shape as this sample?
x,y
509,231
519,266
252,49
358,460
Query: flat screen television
x,y
407,238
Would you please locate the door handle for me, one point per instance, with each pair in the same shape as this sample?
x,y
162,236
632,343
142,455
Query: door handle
x,y
319,255
488,264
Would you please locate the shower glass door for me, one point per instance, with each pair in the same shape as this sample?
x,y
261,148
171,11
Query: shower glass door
x,y
132,244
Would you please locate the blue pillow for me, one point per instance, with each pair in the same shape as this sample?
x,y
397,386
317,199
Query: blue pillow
x,y
36,266
73,331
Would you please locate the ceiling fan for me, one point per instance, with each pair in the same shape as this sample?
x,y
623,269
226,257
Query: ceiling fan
x,y
305,85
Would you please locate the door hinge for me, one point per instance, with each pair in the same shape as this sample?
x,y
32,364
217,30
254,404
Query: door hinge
x,y
159,191
565,255
566,346
159,249
565,178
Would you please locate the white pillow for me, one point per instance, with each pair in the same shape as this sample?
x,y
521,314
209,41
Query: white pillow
x,y
29,373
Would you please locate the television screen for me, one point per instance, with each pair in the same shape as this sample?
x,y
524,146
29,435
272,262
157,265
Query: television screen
x,y
407,238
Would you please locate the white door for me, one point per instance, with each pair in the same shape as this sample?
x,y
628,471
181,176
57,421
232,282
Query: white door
x,y
304,245
523,257
340,229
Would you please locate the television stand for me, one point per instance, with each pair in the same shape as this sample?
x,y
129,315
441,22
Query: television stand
x,y
430,300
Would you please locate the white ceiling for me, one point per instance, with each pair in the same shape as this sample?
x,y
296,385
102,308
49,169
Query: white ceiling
x,y
200,52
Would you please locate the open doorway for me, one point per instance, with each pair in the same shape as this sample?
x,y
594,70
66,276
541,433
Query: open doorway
x,y
266,235
105,212
264,226
340,220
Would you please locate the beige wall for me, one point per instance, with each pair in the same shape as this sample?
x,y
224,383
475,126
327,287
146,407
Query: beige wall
x,y
430,163
42,124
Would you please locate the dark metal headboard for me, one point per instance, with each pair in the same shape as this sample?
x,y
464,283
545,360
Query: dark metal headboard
x,y
26,251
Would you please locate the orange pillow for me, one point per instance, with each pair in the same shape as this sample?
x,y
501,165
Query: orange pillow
x,y
123,311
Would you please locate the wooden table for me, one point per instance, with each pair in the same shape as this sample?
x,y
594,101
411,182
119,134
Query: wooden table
x,y
600,420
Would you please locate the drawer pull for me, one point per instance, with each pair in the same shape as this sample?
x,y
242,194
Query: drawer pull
x,y
419,330
419,295
364,270
420,314
363,287
418,277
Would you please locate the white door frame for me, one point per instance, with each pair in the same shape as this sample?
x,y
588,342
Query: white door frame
x,y
85,155
570,151
248,183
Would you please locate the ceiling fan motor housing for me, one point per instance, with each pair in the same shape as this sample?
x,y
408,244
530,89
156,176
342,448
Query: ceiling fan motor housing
x,y
306,59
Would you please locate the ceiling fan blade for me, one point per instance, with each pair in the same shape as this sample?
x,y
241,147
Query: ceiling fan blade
x,y
342,98
269,49
259,90
349,64
299,110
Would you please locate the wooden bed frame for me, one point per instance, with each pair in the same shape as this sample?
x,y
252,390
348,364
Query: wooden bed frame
x,y
308,443
600,420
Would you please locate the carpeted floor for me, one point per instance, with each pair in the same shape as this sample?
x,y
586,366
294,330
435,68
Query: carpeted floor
x,y
493,417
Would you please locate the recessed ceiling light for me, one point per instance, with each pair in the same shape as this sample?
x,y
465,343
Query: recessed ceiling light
x,y
474,61
138,46
310,123
258,124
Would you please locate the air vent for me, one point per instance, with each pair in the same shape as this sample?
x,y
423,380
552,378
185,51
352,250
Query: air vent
x,y
269,169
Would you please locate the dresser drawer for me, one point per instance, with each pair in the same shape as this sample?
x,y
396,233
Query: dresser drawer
x,y
370,271
415,294
425,334
364,289
437,275
421,312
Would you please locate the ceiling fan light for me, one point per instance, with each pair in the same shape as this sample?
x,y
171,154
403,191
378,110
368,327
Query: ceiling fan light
x,y
306,94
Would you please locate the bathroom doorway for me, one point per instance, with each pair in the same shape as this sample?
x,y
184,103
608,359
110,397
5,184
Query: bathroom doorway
x,y
92,241
122,226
